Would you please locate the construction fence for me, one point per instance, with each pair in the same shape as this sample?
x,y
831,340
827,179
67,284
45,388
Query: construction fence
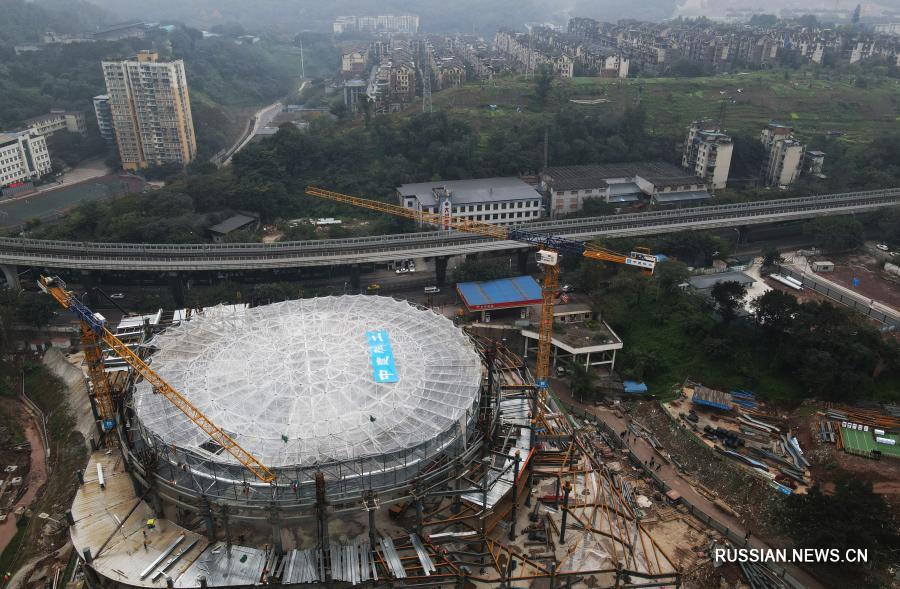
x,y
843,295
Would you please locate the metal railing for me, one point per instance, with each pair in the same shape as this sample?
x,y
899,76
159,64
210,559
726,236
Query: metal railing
x,y
843,295
135,256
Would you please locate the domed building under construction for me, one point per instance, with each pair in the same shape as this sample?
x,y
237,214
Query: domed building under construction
x,y
339,441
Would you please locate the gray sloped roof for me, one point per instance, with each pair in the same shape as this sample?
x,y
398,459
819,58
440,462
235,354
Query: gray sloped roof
x,y
476,190
232,224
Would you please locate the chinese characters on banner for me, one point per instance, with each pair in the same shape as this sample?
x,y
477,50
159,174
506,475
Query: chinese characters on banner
x,y
383,368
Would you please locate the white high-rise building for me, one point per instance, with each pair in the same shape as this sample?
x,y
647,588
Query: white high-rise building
x,y
151,111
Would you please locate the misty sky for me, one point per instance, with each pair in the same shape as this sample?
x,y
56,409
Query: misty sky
x,y
481,16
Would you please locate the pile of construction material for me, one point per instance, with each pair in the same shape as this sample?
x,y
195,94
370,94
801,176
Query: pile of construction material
x,y
734,424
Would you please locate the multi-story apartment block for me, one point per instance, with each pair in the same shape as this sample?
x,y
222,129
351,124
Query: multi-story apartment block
x,y
707,153
378,88
784,156
104,118
151,111
499,201
353,63
723,47
58,120
388,23
565,53
815,161
23,157
354,92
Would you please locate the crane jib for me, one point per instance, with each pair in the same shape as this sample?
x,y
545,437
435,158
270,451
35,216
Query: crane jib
x,y
551,242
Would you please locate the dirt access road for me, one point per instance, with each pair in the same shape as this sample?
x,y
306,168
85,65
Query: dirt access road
x,y
673,479
37,472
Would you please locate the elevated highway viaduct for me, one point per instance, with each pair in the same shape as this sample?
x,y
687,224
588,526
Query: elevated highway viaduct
x,y
18,252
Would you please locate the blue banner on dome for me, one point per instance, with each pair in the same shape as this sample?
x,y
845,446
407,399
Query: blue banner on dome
x,y
383,369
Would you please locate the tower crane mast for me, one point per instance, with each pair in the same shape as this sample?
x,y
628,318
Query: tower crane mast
x,y
550,247
94,328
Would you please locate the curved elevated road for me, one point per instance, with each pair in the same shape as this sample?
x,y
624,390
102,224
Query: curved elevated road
x,y
242,256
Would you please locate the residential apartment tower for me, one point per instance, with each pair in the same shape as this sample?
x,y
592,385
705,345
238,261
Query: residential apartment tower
x,y
151,111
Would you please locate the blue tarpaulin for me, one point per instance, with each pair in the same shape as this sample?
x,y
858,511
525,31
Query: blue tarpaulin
x,y
634,387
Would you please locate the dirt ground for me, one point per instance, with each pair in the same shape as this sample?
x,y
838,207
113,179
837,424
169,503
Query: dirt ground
x,y
873,283
31,467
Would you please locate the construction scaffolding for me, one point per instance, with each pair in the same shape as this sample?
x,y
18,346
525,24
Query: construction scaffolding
x,y
296,385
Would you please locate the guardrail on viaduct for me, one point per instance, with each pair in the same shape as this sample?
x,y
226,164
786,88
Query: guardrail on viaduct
x,y
242,256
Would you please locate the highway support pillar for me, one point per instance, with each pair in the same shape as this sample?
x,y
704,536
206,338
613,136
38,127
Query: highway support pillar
x,y
176,287
354,278
440,270
11,274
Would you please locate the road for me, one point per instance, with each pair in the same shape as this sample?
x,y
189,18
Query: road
x,y
385,248
261,119
37,471
676,481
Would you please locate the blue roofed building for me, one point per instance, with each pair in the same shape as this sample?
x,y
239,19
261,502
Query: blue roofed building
x,y
506,293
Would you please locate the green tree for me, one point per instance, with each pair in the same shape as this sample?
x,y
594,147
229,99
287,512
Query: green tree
x,y
853,516
481,269
543,81
775,311
581,380
35,309
669,274
728,296
770,258
836,234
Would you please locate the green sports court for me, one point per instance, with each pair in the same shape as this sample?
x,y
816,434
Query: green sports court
x,y
857,441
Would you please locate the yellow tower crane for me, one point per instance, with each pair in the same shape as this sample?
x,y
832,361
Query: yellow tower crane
x,y
94,330
550,248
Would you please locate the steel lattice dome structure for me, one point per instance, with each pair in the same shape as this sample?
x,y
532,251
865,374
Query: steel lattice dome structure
x,y
294,384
